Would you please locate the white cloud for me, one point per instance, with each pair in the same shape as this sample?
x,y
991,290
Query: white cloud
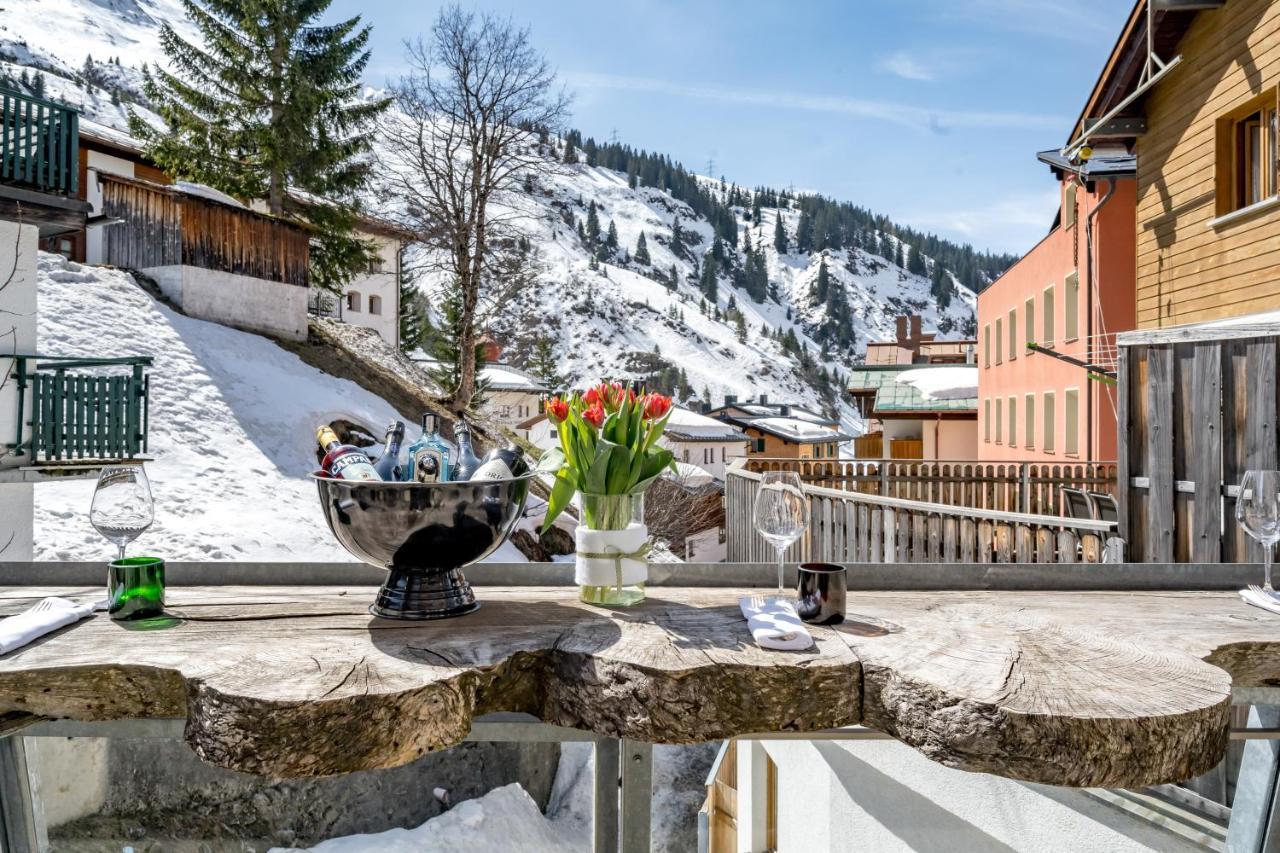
x,y
902,64
1013,223
898,113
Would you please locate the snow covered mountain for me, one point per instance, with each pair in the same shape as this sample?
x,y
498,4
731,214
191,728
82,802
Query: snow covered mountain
x,y
601,309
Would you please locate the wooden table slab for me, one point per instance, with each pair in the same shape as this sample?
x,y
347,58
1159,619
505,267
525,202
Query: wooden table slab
x,y
1070,688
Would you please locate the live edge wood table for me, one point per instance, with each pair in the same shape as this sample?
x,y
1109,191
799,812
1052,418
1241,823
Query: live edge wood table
x,y
1114,689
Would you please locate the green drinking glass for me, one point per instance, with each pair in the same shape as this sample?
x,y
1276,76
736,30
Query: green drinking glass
x,y
135,588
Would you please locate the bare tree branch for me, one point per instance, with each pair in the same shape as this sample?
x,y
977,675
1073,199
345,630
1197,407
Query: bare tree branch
x,y
473,114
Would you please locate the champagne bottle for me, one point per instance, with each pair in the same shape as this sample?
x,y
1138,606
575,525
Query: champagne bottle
x,y
501,463
388,464
343,461
430,457
468,463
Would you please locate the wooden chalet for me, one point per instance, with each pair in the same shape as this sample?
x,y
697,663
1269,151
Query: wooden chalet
x,y
39,151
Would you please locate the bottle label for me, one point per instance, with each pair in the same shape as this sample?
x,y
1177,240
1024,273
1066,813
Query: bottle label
x,y
354,466
494,469
426,465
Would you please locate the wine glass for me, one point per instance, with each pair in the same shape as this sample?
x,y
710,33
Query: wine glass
x,y
781,511
122,505
1258,511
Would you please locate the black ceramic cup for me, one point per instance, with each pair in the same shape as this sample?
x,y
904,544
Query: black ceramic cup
x,y
821,594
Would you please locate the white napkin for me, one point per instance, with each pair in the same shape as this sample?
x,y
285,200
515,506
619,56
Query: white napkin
x,y
775,624
41,618
1260,599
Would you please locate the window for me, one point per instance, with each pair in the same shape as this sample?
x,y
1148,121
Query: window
x,y
1047,338
1246,161
986,420
999,417
1013,333
1071,422
1071,310
375,264
1069,206
685,454
999,340
1049,419
353,301
986,346
1029,428
723,454
1029,318
1013,421
375,304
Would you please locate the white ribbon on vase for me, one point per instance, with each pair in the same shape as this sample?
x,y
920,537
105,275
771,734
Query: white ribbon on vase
x,y
611,557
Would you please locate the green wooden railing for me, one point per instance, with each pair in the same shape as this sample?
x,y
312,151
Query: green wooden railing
x,y
78,415
39,143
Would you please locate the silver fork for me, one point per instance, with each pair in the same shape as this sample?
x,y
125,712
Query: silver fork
x,y
1268,594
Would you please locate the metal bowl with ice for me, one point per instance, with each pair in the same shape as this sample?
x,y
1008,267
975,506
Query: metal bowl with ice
x,y
423,534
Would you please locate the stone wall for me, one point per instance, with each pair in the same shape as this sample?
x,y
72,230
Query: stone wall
x,y
251,304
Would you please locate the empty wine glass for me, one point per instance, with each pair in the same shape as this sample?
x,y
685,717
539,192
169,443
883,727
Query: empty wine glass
x,y
1258,511
122,505
781,511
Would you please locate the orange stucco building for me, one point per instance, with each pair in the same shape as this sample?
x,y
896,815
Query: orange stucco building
x,y
1070,294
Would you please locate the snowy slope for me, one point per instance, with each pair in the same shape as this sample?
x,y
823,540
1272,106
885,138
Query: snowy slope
x,y
605,321
232,420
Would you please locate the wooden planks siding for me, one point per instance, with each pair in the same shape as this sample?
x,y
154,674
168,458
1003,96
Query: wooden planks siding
x,y
1188,271
1196,413
161,227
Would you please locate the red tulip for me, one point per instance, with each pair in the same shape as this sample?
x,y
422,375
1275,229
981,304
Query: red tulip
x,y
594,414
592,396
656,406
557,410
613,395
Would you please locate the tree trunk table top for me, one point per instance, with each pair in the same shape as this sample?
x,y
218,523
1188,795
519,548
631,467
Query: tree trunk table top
x,y
1069,688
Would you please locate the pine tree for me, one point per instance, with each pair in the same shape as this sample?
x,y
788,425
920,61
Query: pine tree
x,y
804,233
915,262
570,153
611,238
37,84
707,283
593,224
822,287
414,324
674,281
542,363
442,346
677,241
642,251
271,102
779,235
741,323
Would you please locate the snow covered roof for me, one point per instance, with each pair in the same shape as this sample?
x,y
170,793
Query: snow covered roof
x,y
903,390
503,377
203,191
943,383
796,430
686,425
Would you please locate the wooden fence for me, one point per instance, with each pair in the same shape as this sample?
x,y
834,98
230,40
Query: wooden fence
x,y
852,526
1027,487
39,143
1196,409
160,226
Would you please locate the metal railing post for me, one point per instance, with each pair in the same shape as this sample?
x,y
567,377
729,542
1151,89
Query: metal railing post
x,y
637,795
604,807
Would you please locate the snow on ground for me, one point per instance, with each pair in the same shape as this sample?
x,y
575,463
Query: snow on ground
x,y
943,383
233,420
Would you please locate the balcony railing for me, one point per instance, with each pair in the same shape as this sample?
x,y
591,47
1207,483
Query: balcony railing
x,y
91,409
39,144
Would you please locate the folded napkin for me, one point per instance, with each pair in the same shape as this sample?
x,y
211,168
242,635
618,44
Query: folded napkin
x,y
39,619
774,623
1258,598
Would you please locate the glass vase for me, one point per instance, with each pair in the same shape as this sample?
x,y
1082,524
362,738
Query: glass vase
x,y
612,546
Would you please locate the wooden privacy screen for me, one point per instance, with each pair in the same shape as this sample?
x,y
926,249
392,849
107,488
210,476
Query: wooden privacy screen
x,y
160,226
1197,408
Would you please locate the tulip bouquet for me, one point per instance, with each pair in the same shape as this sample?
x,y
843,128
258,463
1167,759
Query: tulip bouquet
x,y
608,454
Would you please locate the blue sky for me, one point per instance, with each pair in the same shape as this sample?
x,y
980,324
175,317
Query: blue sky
x,y
929,111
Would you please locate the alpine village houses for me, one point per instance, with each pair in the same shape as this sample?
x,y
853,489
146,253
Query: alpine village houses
x,y
213,256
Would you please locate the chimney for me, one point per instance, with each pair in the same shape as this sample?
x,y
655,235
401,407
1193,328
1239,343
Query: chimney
x,y
705,407
901,322
730,399
784,410
916,328
764,400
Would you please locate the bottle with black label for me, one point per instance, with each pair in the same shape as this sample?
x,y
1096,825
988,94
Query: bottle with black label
x,y
388,464
430,455
501,463
468,463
